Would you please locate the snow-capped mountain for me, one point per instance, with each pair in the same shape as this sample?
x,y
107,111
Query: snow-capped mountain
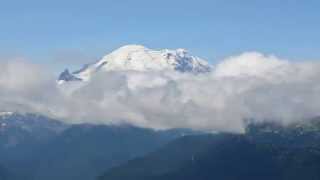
x,y
140,58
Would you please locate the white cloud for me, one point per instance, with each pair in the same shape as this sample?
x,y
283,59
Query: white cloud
x,y
24,87
251,85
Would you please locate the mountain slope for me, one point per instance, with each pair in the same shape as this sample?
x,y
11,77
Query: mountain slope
x,y
20,137
139,58
243,159
4,175
228,157
23,132
36,147
167,159
84,151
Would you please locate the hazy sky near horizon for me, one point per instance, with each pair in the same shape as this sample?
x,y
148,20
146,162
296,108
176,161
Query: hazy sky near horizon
x,y
61,33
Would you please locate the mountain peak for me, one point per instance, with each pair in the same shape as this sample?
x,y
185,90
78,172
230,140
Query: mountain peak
x,y
132,47
67,76
139,58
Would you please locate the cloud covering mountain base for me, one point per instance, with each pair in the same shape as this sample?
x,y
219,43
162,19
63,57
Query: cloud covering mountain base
x,y
248,86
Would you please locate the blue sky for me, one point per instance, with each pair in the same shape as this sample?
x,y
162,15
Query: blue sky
x,y
60,33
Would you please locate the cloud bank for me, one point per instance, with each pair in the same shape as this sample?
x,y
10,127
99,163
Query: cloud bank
x,y
248,86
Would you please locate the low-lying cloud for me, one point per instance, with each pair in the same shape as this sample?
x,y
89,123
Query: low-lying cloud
x,y
248,86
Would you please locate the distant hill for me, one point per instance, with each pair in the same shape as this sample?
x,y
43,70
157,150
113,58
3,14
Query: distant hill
x,y
36,147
